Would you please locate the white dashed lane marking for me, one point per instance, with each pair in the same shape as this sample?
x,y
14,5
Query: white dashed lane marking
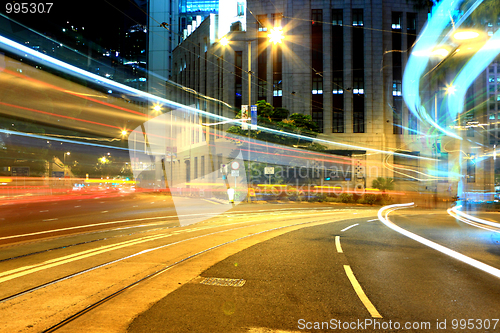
x,y
349,227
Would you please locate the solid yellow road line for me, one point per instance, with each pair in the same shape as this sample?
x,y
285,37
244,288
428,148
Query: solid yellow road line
x,y
361,294
337,244
18,272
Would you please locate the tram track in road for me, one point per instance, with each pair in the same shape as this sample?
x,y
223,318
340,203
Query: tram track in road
x,y
4,276
109,297
158,270
126,228
110,262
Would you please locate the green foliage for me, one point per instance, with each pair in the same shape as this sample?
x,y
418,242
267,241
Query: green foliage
x,y
383,184
368,199
304,123
346,198
276,118
487,12
265,110
279,114
318,198
385,199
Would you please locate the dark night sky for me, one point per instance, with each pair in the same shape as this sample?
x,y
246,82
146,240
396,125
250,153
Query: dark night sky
x,y
104,20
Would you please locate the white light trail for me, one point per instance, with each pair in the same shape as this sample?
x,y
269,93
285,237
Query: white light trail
x,y
468,218
25,51
463,258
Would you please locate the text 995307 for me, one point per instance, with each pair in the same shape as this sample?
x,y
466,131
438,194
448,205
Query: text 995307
x,y
28,7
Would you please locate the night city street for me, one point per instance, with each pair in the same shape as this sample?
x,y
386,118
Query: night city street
x,y
250,166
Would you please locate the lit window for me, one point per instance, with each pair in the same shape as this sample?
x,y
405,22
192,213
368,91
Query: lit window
x,y
262,21
317,86
277,88
337,17
241,9
357,17
396,21
358,86
396,88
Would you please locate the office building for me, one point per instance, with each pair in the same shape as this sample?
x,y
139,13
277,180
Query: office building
x,y
343,65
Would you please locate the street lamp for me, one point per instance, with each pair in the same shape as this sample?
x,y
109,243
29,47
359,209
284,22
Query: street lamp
x,y
64,162
224,41
157,108
276,37
64,158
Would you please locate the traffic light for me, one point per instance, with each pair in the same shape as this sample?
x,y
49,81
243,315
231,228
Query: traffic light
x,y
328,178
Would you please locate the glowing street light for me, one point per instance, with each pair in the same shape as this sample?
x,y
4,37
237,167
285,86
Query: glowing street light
x,y
276,36
157,108
450,89
64,157
223,41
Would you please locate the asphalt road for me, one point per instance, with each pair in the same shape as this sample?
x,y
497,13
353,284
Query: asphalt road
x,y
35,220
292,267
31,221
57,274
36,217
300,278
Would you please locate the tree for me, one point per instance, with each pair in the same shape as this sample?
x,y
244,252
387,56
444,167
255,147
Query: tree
x,y
383,184
487,12
304,123
277,118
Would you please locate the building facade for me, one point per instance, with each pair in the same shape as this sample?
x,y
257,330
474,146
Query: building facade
x,y
343,65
